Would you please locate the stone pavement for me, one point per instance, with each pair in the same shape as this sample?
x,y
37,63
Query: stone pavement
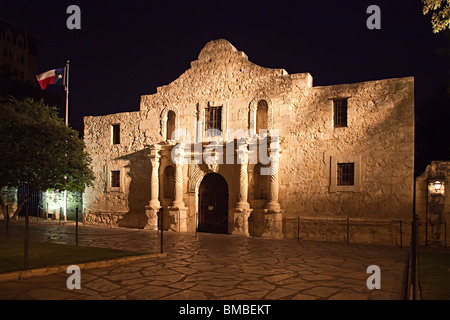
x,y
214,267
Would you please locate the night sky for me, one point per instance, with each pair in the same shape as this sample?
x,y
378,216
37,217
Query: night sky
x,y
128,48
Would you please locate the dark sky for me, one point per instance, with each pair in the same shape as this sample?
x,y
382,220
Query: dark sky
x,y
128,48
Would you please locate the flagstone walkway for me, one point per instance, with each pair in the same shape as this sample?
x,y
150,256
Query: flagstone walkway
x,y
214,267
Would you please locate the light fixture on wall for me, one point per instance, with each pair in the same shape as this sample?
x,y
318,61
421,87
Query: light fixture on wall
x,y
437,185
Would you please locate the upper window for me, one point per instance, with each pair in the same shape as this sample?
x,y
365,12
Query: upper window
x,y
170,125
213,120
116,134
340,112
115,179
345,174
261,116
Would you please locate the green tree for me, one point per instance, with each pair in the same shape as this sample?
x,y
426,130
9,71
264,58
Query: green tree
x,y
440,10
39,150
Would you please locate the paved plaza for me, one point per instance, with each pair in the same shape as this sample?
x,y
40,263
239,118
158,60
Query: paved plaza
x,y
214,267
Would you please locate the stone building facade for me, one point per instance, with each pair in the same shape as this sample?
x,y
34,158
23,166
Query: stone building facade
x,y
236,148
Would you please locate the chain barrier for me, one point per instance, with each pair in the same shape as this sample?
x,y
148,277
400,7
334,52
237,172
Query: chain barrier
x,y
258,222
341,222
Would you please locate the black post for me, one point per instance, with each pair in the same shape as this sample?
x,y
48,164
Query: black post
x,y
401,235
7,221
253,227
348,229
76,225
196,223
162,227
417,257
445,235
26,239
414,256
426,233
60,214
298,229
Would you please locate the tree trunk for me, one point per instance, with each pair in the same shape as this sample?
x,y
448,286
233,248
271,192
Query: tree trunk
x,y
3,206
20,205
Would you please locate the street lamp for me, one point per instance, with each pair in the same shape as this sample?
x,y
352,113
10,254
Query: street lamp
x,y
437,185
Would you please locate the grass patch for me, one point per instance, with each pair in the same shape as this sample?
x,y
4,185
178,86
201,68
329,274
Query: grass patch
x,y
45,254
434,274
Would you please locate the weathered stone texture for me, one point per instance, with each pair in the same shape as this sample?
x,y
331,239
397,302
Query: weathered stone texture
x,y
379,139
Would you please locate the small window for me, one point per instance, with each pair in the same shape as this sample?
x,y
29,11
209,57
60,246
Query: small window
x,y
340,112
213,119
116,134
345,174
115,179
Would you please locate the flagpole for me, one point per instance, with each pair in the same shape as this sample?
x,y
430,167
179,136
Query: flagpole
x,y
67,124
67,93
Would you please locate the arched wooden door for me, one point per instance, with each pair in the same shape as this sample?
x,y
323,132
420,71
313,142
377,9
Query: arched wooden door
x,y
213,204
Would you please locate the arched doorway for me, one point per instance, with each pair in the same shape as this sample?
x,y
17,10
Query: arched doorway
x,y
213,204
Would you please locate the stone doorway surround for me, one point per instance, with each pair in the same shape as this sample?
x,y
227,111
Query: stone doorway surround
x,y
213,204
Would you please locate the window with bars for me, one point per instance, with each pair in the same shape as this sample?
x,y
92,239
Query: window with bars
x,y
345,174
340,112
116,134
115,179
213,120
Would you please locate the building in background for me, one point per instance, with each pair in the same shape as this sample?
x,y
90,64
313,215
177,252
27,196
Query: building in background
x,y
433,203
18,52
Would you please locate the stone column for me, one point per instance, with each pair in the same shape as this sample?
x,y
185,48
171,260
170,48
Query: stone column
x,y
242,210
273,224
151,210
272,203
178,211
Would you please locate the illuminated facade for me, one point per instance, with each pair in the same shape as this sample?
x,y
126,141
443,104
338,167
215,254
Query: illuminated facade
x,y
232,147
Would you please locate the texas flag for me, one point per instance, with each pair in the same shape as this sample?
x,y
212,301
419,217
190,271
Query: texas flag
x,y
55,76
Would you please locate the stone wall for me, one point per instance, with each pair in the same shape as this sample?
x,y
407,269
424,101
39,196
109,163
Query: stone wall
x,y
380,136
53,204
379,139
